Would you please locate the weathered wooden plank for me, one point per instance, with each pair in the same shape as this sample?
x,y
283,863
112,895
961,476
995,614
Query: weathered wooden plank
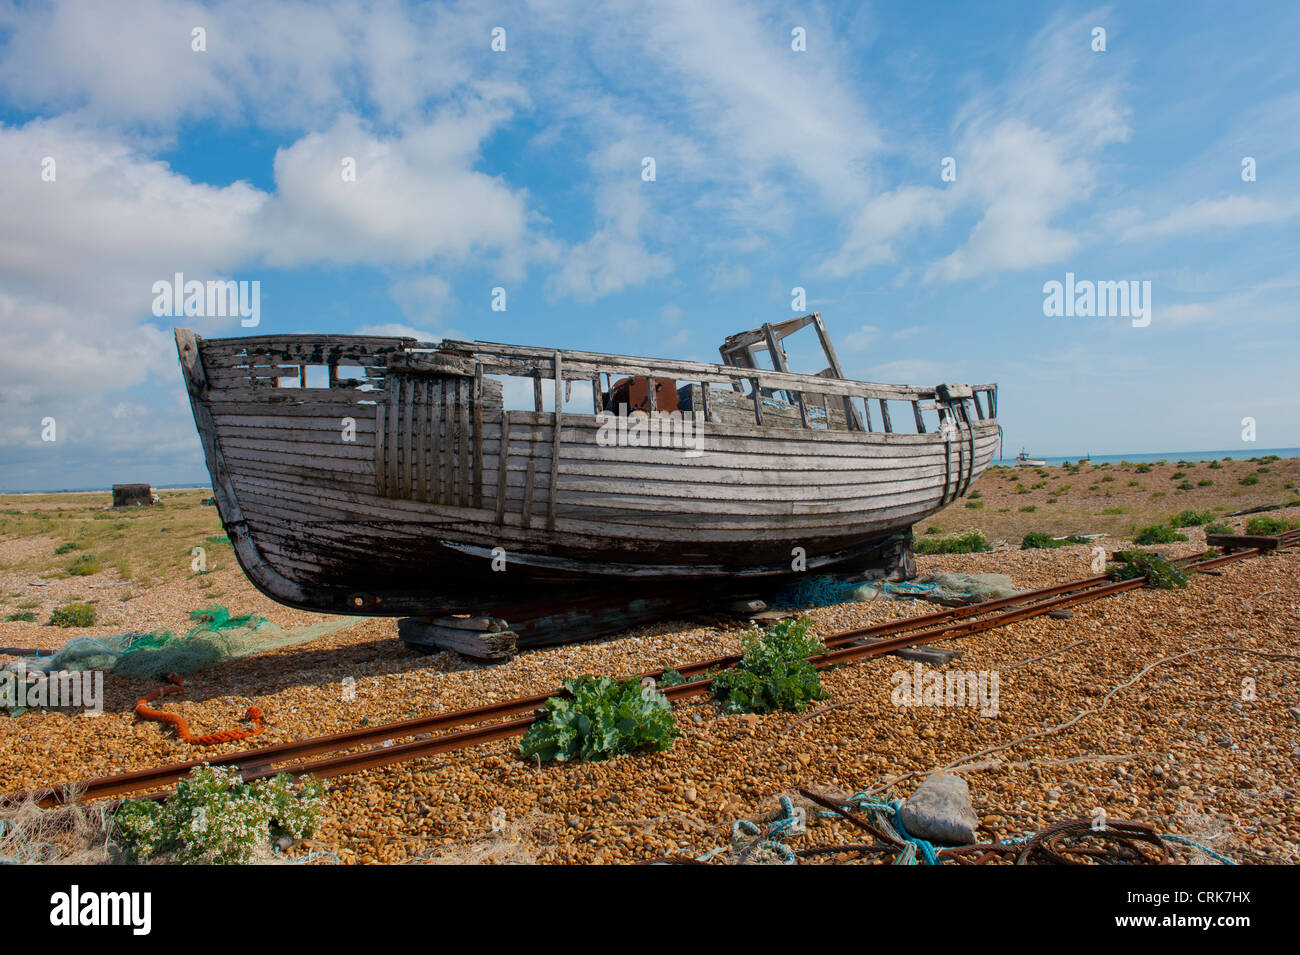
x,y
444,445
530,486
503,466
477,399
463,441
1241,541
488,645
557,433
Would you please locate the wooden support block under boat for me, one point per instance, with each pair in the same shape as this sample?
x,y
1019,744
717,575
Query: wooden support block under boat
x,y
428,637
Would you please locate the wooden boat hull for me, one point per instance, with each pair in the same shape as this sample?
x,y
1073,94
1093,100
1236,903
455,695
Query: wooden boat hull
x,y
413,497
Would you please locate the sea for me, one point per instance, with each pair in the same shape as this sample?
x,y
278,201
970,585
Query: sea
x,y
1137,458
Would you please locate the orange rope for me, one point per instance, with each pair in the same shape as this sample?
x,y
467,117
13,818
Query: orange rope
x,y
146,712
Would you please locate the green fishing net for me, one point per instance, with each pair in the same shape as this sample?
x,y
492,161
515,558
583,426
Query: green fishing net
x,y
215,637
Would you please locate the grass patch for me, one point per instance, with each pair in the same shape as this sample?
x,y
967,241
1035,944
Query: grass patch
x,y
1036,540
84,566
22,616
969,542
1191,518
1268,526
74,615
1158,534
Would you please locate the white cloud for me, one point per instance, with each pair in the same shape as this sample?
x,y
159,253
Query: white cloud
x,y
861,338
1213,215
882,220
616,257
910,372
1027,151
415,197
289,64
423,298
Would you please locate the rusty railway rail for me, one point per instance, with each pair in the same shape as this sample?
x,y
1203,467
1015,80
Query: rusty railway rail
x,y
843,647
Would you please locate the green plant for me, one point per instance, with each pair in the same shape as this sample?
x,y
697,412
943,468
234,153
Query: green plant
x,y
73,615
1215,466
773,673
84,566
23,616
1113,510
1107,477
1158,534
1177,474
1218,529
1159,572
1249,479
1205,483
970,542
1184,486
974,495
1191,519
600,718
65,548
1038,540
974,505
1029,509
1142,469
214,818
1021,489
1267,526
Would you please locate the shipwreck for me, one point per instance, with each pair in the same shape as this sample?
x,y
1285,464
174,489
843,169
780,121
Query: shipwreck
x,y
387,476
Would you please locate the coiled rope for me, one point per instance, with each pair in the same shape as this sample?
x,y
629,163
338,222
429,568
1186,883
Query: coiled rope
x,y
146,712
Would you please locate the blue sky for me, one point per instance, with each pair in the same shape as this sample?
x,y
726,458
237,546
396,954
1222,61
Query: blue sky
x,y
775,168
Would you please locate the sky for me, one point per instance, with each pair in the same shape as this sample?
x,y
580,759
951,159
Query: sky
x,y
922,171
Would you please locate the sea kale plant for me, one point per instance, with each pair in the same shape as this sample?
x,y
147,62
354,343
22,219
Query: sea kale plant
x,y
773,673
215,818
1159,572
600,718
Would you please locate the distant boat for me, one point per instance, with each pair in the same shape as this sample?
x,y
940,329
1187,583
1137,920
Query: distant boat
x,y
1025,461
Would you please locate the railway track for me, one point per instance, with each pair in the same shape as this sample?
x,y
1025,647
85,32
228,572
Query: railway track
x,y
374,746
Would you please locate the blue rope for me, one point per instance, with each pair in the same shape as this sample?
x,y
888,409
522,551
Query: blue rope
x,y
928,854
752,838
891,811
1206,849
